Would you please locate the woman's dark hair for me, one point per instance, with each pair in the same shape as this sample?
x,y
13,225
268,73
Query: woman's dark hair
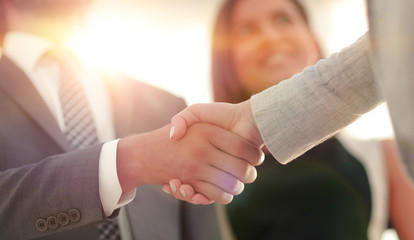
x,y
226,86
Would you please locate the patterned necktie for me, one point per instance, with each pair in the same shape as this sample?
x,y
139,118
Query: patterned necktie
x,y
80,127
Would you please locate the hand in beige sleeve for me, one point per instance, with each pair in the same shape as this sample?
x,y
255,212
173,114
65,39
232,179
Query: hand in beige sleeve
x,y
214,161
237,118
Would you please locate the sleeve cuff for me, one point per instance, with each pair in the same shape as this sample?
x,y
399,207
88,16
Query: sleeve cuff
x,y
110,190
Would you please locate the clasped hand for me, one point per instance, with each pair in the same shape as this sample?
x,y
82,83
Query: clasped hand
x,y
236,118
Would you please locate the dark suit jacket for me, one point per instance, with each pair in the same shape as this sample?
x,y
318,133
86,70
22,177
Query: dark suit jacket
x,y
41,179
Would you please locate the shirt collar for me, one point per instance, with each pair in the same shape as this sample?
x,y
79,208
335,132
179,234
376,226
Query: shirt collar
x,y
25,49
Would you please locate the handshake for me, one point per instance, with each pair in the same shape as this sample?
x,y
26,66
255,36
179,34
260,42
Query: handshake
x,y
212,151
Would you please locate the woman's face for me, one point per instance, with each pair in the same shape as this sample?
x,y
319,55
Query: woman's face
x,y
270,42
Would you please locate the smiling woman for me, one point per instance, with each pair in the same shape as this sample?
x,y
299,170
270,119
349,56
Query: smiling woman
x,y
264,46
323,194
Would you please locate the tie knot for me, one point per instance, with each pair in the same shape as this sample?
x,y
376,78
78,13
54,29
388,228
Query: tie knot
x,y
62,56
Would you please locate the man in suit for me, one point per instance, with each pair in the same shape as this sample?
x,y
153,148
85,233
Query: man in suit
x,y
51,189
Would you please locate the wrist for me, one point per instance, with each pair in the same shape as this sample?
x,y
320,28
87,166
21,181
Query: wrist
x,y
128,166
247,113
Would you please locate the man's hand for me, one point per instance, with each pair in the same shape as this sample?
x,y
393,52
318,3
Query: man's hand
x,y
214,161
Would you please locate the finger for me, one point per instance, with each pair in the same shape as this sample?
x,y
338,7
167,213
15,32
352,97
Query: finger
x,y
238,154
180,122
187,191
201,199
262,158
175,185
238,168
190,196
222,179
166,188
202,113
238,147
212,192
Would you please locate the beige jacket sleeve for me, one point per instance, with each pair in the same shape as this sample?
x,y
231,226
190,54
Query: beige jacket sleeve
x,y
301,112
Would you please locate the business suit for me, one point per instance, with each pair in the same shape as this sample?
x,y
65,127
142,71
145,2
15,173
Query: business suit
x,y
38,181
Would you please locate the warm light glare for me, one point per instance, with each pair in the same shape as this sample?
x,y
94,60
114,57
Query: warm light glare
x,y
337,23
373,125
106,40
173,57
349,18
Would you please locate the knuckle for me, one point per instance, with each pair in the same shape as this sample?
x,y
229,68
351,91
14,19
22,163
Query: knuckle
x,y
248,152
190,170
240,146
199,152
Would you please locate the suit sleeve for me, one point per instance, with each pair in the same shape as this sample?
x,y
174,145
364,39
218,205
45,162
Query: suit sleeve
x,y
56,194
299,113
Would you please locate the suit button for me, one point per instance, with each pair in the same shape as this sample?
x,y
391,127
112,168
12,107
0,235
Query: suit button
x,y
63,219
41,225
52,222
74,215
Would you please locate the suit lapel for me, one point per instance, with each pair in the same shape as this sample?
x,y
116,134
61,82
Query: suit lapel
x,y
16,84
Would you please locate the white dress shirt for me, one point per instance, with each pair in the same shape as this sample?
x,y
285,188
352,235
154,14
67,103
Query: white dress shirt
x,y
26,50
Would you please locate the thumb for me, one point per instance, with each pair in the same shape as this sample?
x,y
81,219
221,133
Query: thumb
x,y
180,122
219,114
